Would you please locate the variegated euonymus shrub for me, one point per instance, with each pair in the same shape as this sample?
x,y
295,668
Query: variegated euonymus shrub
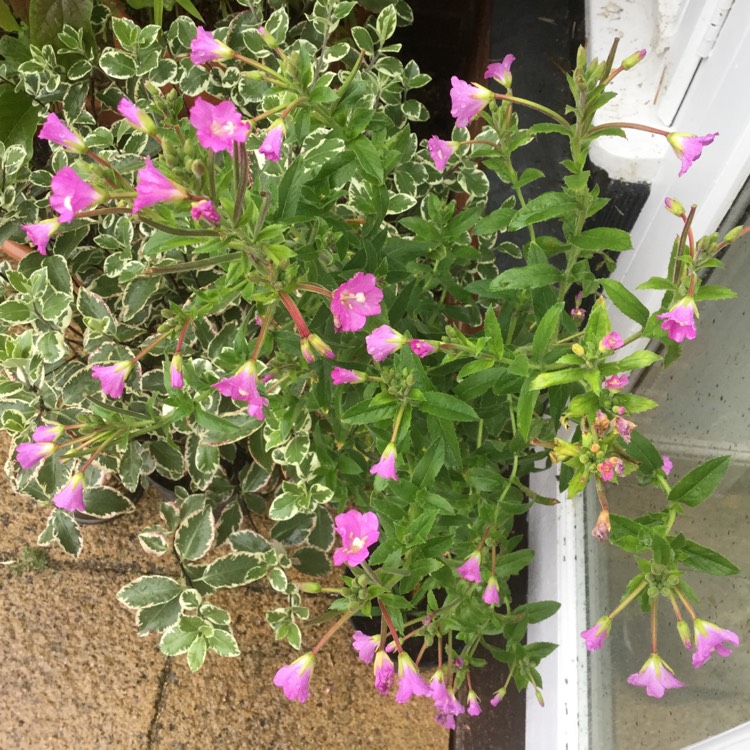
x,y
257,285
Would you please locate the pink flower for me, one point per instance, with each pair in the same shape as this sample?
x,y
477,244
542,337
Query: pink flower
x,y
624,427
383,668
29,455
153,187
610,341
610,467
500,71
271,146
656,676
666,464
354,301
422,348
497,696
679,322
365,645
204,210
474,709
175,372
47,433
294,678
340,375
468,100
71,194
688,147
710,638
441,151
218,126
438,690
386,467
491,594
55,130
70,497
39,234
112,377
206,48
383,341
616,382
243,386
136,117
358,532
597,633
409,681
470,571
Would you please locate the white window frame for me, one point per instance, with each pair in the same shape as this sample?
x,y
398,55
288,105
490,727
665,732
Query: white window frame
x,y
716,100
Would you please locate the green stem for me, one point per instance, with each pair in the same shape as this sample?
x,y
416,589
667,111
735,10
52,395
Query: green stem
x,y
191,265
624,603
538,107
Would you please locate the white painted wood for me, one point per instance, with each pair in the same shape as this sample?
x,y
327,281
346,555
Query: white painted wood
x,y
735,739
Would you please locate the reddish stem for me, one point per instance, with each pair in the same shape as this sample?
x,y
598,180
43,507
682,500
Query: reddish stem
x,y
389,623
295,314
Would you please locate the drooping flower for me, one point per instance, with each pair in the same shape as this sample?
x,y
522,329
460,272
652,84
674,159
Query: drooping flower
x,y
271,146
243,386
656,676
175,371
29,455
136,117
467,100
491,593
153,187
500,71
624,427
358,532
56,131
409,681
602,527
70,497
616,382
112,377
294,678
441,151
666,464
597,633
71,194
365,645
383,341
710,638
470,570
422,348
384,672
204,209
679,322
438,690
688,147
497,697
204,48
218,126
610,341
340,375
39,234
473,707
47,433
386,467
354,301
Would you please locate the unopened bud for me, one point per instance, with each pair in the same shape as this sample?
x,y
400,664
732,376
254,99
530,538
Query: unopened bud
x,y
684,630
578,350
309,587
733,234
363,580
254,75
674,206
268,38
198,168
633,60
539,696
595,447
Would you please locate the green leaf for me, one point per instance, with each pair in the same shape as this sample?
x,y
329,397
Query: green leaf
x,y
159,617
117,64
233,570
447,407
698,484
377,409
368,158
67,532
625,301
643,451
47,18
525,411
705,560
546,331
18,118
196,654
148,591
430,464
195,536
494,333
512,563
385,26
537,611
533,276
223,643
105,502
635,361
169,460
706,292
543,207
557,377
7,21
175,641
603,238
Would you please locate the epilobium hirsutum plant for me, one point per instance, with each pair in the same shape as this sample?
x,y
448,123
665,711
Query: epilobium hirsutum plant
x,y
258,286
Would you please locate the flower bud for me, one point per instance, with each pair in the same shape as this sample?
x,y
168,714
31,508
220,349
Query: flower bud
x,y
733,234
674,206
633,60
268,38
684,630
309,587
578,350
254,75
